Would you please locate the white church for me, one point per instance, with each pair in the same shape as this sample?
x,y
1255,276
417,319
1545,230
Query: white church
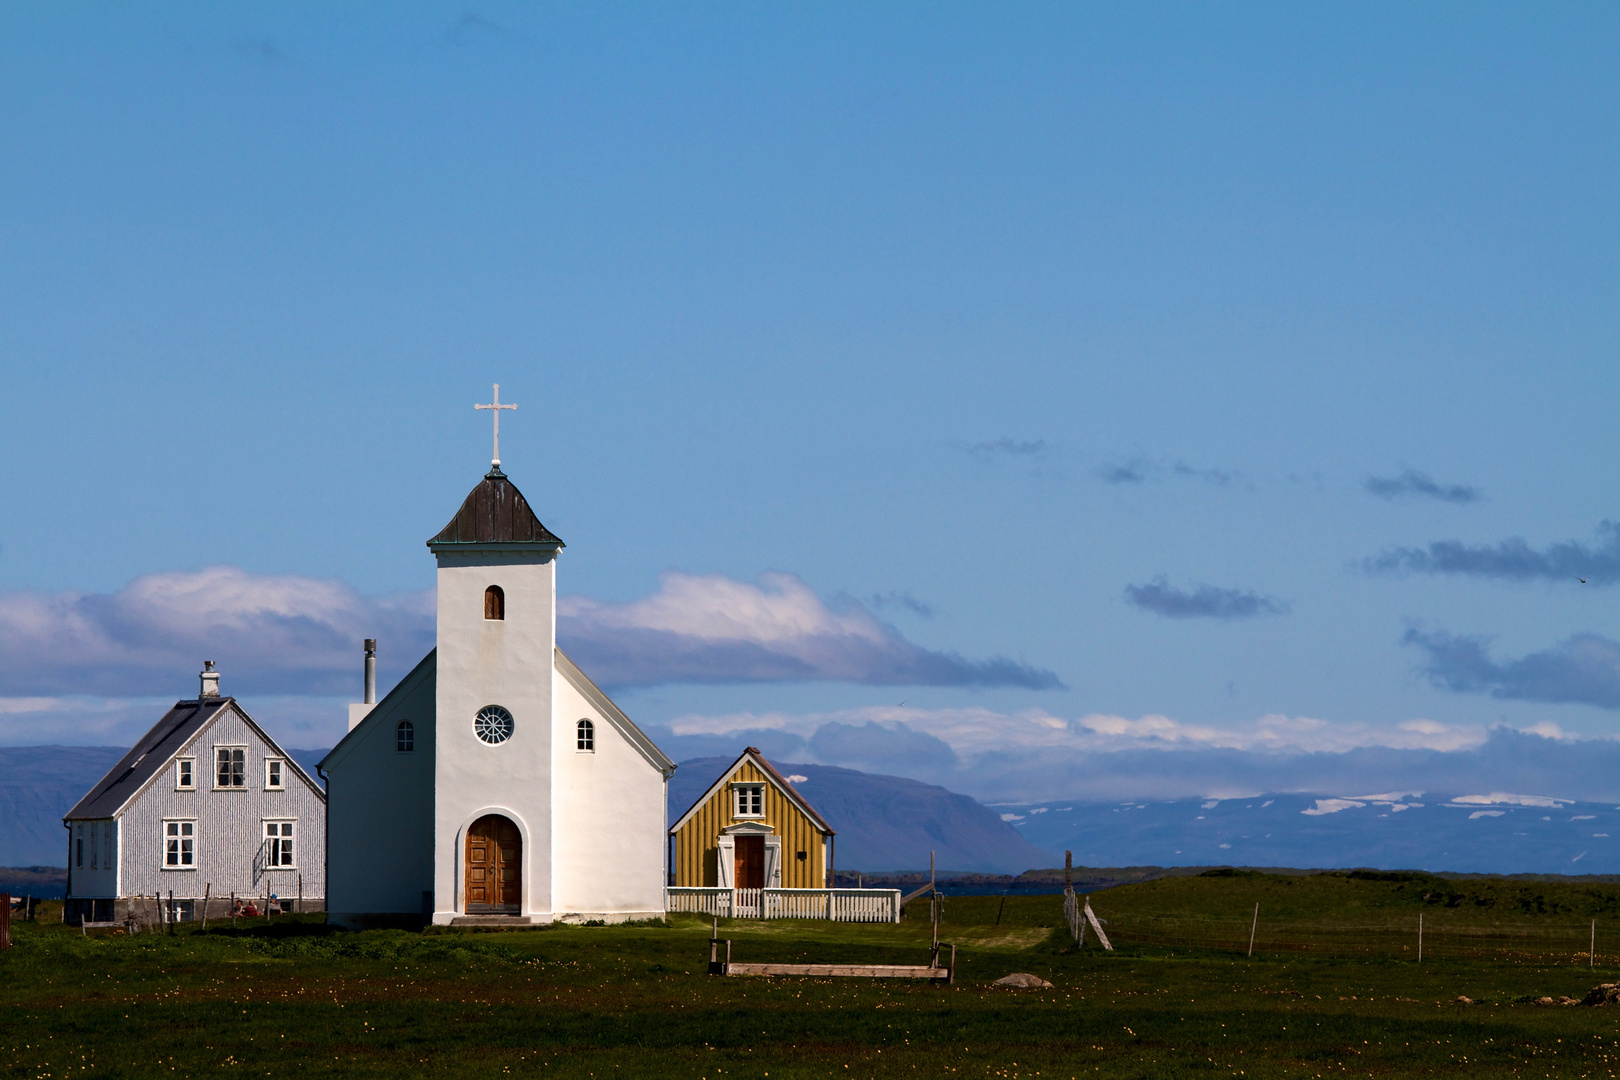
x,y
495,784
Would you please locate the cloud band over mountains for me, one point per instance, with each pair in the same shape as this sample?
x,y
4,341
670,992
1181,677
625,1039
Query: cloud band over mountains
x,y
294,635
1034,755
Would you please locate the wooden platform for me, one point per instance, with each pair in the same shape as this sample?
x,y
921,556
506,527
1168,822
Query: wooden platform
x,y
870,971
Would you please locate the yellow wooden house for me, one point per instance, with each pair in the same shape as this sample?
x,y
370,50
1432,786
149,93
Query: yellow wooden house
x,y
752,830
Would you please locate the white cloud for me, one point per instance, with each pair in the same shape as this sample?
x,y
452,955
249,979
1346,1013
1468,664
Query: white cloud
x,y
711,628
288,634
270,634
1486,813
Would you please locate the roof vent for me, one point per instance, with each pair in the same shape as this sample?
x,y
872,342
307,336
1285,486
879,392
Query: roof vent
x,y
210,681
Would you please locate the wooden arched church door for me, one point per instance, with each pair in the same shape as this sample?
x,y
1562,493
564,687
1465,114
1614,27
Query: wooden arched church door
x,y
494,871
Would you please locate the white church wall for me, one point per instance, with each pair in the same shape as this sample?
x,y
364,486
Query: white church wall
x,y
228,825
380,807
609,838
505,662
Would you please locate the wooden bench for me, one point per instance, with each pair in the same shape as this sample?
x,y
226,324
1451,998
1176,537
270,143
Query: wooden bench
x,y
931,971
86,926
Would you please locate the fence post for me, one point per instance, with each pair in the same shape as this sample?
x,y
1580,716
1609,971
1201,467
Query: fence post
x,y
1420,937
5,920
1254,926
208,890
172,912
1591,956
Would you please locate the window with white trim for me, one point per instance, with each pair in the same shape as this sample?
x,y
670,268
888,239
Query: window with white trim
x,y
586,737
278,843
230,767
273,769
180,845
185,774
750,800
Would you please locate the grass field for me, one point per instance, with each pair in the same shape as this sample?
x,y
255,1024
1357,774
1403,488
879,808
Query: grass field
x,y
633,1001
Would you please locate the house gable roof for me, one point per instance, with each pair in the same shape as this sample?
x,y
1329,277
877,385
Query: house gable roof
x,y
494,512
164,742
775,779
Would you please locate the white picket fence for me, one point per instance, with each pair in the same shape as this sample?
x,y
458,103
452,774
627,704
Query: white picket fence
x,y
839,905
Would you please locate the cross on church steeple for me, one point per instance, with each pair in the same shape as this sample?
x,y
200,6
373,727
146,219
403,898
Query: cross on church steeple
x,y
495,408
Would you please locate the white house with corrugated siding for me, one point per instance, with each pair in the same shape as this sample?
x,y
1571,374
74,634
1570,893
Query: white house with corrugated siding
x,y
206,804
496,783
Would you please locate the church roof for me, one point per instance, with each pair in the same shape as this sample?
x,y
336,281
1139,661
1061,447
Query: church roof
x,y
495,512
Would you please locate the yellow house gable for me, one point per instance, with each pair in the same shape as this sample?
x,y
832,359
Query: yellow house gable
x,y
749,814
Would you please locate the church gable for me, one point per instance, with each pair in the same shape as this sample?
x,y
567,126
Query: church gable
x,y
612,714
382,722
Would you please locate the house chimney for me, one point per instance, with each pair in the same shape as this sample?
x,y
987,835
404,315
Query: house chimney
x,y
210,681
371,671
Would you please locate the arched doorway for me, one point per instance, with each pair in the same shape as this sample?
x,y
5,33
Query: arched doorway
x,y
494,871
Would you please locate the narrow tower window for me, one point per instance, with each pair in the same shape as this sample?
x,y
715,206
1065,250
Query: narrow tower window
x,y
405,737
587,736
494,603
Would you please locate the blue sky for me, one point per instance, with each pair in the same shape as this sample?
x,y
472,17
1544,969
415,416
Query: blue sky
x,y
1050,362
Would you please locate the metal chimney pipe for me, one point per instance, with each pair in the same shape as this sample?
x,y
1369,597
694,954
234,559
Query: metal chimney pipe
x,y
371,671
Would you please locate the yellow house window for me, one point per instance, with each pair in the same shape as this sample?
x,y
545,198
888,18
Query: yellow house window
x,y
750,800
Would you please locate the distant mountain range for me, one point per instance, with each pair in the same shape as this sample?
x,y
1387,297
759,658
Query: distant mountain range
x,y
887,824
1494,833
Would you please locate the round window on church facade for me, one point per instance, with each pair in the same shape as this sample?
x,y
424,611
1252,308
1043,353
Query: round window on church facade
x,y
493,724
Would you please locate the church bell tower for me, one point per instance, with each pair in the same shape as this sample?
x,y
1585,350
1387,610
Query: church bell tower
x,y
497,632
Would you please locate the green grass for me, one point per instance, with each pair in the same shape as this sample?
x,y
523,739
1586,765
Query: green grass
x,y
633,1001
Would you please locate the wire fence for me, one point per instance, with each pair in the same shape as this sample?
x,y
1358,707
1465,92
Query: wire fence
x,y
1580,943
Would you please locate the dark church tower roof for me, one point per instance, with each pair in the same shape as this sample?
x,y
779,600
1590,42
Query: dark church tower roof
x,y
495,512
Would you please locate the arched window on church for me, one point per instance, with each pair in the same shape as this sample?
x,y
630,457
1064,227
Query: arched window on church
x,y
587,736
405,737
494,603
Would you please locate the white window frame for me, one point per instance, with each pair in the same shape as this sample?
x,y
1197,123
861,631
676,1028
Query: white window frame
x,y
264,834
737,791
585,731
245,758
180,771
280,768
180,836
